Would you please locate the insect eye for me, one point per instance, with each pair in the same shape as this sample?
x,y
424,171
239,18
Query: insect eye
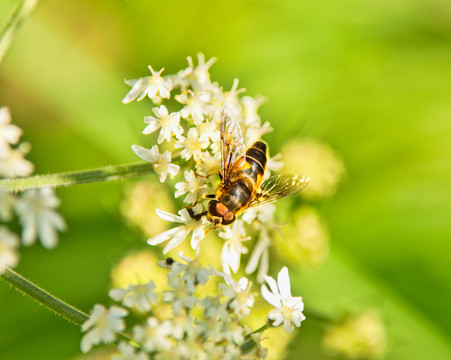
x,y
213,208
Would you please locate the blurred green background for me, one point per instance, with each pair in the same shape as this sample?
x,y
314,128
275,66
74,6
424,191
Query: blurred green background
x,y
371,78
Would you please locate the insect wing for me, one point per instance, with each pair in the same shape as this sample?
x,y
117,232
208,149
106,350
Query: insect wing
x,y
279,186
232,142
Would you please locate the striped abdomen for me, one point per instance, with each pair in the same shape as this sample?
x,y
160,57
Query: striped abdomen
x,y
246,179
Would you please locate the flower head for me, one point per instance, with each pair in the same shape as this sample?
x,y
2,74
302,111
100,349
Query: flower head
x,y
169,124
139,296
161,162
178,234
288,309
102,326
38,218
154,86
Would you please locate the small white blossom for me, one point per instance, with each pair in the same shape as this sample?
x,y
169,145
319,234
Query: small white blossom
x,y
169,124
154,86
102,326
233,247
192,145
161,162
256,131
195,105
242,299
208,163
38,218
193,273
139,296
154,336
9,133
9,242
288,309
13,163
181,297
197,77
178,234
195,186
250,113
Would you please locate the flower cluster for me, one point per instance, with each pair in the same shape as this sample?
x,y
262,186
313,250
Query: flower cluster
x,y
184,322
188,129
34,208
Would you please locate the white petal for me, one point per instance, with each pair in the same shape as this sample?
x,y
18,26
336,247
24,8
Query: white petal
x,y
283,280
157,239
177,239
153,125
288,326
271,298
198,235
173,170
162,111
168,216
272,284
143,153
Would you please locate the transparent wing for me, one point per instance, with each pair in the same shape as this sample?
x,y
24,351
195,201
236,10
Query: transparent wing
x,y
279,186
232,142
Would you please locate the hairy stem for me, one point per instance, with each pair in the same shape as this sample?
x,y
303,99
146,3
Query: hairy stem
x,y
52,303
22,10
77,177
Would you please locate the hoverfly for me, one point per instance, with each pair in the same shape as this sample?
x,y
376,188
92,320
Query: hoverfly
x,y
241,174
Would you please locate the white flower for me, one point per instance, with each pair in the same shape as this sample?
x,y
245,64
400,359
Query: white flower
x,y
242,298
260,256
154,336
155,87
197,77
192,273
161,162
194,186
178,234
208,163
251,105
179,298
9,242
13,163
256,131
192,145
103,325
233,247
169,124
139,296
38,218
127,352
288,309
9,133
195,105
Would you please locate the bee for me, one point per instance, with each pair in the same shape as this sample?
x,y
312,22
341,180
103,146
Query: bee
x,y
241,174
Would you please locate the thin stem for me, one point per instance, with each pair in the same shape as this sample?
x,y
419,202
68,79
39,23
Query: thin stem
x,y
22,10
52,303
77,177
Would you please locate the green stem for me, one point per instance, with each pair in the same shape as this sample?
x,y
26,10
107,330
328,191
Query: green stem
x,y
76,177
52,303
22,10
